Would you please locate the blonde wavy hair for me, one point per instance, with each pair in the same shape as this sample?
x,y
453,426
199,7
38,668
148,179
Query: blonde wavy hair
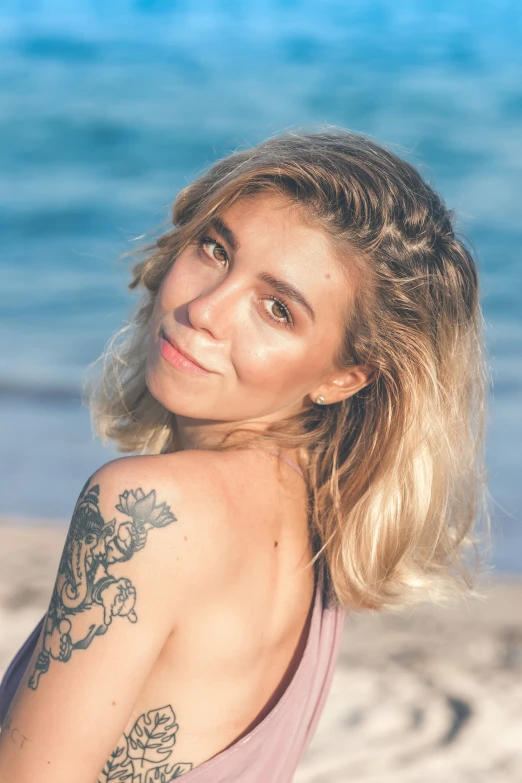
x,y
395,473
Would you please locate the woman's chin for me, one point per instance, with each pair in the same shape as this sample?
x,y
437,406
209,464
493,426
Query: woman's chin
x,y
179,403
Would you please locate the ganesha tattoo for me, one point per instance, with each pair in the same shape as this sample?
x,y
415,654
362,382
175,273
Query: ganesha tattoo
x,y
86,596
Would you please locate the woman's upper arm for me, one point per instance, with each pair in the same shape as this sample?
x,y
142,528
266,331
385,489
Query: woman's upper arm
x,y
114,603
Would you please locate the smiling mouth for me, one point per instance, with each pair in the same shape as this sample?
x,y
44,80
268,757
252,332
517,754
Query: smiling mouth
x,y
177,358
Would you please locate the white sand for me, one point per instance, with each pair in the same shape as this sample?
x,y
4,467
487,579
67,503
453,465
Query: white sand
x,y
430,696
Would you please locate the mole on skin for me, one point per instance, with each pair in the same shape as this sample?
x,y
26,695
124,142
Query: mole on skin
x,y
275,544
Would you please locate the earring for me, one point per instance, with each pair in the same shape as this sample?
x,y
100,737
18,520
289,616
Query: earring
x,y
320,400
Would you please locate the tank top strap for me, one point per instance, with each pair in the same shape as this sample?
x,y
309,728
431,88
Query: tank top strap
x,y
286,459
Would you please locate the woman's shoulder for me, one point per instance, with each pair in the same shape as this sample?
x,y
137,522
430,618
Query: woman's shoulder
x,y
142,556
197,480
171,508
194,478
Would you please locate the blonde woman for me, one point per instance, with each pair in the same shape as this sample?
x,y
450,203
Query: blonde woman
x,y
303,382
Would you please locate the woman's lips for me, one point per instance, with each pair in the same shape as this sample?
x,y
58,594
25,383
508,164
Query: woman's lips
x,y
177,359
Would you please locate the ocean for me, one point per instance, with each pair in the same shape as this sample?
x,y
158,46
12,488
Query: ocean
x,y
108,109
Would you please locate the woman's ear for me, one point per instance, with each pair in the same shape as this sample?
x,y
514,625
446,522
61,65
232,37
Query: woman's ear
x,y
342,385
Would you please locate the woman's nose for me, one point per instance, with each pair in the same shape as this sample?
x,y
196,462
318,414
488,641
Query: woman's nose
x,y
214,309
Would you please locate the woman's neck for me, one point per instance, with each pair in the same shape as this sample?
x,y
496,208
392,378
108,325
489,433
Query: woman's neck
x,y
207,434
203,435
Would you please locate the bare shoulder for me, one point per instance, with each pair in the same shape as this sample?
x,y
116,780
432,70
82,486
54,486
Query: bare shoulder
x,y
190,480
183,494
141,553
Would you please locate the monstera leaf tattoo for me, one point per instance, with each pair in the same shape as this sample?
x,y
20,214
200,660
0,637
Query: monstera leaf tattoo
x,y
143,755
86,596
153,735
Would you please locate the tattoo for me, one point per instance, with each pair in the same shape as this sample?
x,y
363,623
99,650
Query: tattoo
x,y
143,755
86,596
13,732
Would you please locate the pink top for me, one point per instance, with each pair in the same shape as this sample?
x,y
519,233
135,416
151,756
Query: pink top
x,y
272,750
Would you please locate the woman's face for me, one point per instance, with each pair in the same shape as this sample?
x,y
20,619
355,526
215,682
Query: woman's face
x,y
257,304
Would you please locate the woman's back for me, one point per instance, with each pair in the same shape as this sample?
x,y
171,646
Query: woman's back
x,y
232,652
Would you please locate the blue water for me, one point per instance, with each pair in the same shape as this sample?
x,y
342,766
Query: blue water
x,y
107,109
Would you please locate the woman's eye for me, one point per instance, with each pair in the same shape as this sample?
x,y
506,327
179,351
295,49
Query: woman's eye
x,y
279,312
214,249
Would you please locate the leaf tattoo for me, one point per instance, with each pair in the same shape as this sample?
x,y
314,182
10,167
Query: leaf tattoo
x,y
149,743
86,596
119,766
153,735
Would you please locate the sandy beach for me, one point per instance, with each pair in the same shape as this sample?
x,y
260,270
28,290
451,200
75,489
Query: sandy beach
x,y
425,696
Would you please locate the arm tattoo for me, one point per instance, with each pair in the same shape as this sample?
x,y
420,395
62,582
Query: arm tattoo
x,y
13,732
143,755
86,596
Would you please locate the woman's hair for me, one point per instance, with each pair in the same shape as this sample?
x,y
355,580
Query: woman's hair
x,y
395,473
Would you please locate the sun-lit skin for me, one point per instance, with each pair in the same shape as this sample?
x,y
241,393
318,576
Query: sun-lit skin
x,y
266,357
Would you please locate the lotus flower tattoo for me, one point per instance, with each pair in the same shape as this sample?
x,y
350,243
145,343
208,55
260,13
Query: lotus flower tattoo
x,y
143,509
84,585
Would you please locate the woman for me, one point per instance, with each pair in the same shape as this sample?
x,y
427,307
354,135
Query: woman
x,y
304,384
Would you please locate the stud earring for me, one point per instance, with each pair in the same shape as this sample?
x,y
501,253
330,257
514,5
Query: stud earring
x,y
320,400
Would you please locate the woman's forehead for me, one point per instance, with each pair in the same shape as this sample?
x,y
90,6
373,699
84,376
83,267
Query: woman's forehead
x,y
275,223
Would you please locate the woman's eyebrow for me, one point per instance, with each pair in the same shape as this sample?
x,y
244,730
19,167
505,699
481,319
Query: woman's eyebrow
x,y
225,232
288,290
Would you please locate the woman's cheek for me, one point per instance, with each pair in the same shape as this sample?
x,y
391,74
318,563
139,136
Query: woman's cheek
x,y
270,367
